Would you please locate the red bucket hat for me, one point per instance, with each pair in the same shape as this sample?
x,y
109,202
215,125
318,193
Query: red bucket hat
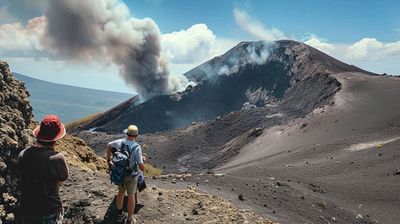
x,y
51,129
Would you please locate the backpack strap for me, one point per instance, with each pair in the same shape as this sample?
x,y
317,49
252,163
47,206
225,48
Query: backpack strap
x,y
132,150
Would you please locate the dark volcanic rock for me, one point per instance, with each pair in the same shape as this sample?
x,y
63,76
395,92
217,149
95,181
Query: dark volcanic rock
x,y
241,197
15,122
288,74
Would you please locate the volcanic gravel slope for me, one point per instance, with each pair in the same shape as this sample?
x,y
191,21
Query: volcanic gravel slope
x,y
347,154
325,152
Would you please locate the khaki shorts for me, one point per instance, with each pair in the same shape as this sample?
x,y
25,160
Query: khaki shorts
x,y
129,185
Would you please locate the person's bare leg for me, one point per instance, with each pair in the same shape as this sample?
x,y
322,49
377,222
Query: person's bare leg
x,y
131,205
120,199
136,199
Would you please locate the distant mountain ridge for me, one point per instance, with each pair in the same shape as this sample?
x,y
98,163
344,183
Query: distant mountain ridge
x,y
69,102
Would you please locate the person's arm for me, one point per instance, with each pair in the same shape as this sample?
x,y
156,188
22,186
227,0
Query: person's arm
x,y
19,158
108,155
144,154
17,161
109,150
139,156
59,167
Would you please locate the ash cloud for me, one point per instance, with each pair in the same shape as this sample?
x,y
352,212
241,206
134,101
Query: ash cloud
x,y
104,30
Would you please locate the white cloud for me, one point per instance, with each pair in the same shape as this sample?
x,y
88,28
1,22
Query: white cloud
x,y
188,46
186,49
320,44
392,48
372,49
361,48
256,28
18,40
220,46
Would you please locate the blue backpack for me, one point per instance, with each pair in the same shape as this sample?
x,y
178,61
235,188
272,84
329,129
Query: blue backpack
x,y
122,165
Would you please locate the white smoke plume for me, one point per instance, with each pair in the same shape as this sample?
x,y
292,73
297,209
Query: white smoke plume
x,y
256,28
256,53
105,30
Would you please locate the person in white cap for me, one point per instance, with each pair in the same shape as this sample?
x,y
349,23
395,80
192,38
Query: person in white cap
x,y
130,181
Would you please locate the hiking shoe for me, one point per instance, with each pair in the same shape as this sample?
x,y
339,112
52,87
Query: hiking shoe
x,y
121,218
131,221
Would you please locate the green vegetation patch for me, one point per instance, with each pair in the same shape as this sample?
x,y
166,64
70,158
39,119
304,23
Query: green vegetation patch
x,y
151,170
78,122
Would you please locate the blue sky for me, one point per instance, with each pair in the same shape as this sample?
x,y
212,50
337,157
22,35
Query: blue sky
x,y
364,33
340,21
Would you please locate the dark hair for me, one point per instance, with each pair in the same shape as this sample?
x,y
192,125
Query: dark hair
x,y
48,144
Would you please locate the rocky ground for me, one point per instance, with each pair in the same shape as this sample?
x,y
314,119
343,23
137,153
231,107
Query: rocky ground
x,y
15,134
79,154
89,197
272,197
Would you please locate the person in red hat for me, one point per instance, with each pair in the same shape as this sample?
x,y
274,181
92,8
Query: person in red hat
x,y
42,171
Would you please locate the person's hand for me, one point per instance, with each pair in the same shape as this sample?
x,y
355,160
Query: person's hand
x,y
144,158
142,167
